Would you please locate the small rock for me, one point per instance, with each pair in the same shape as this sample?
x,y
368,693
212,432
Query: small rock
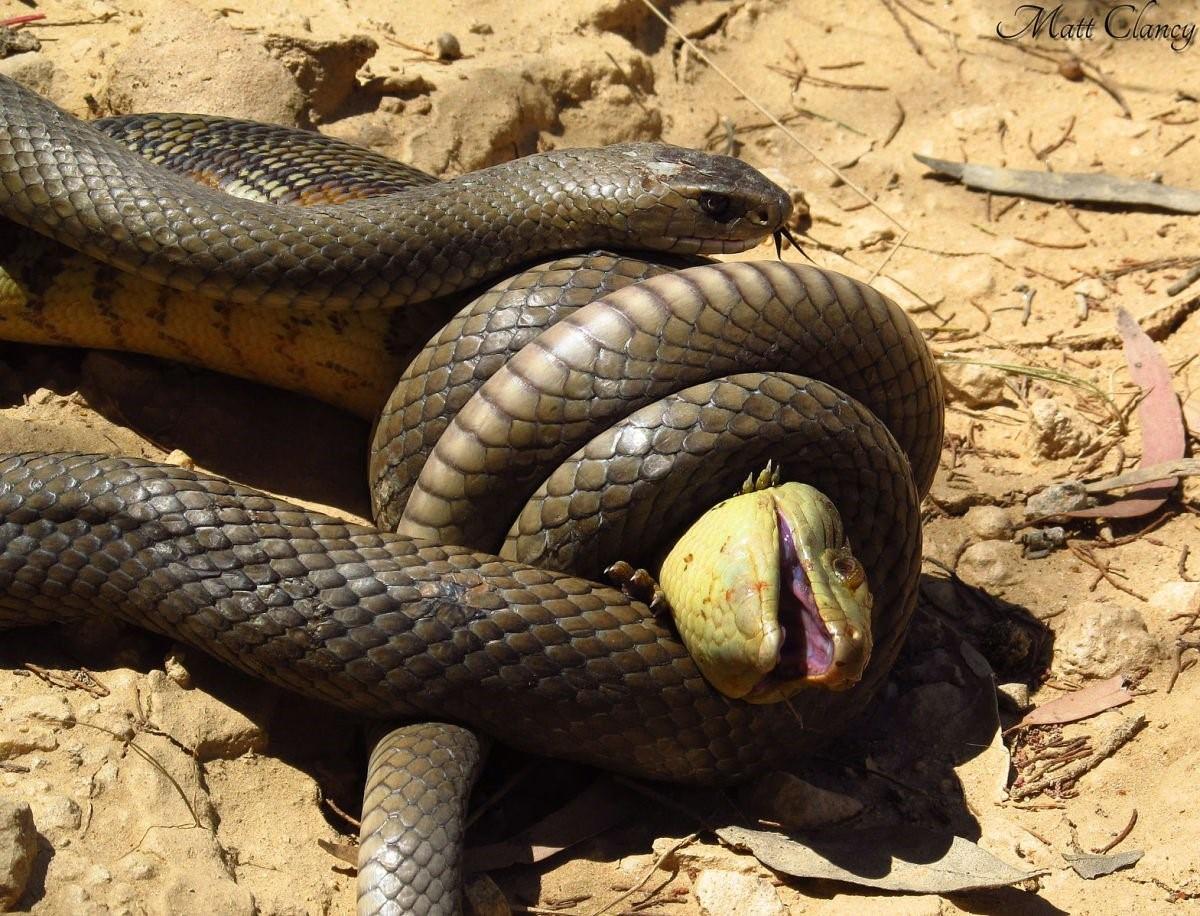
x,y
1102,640
989,522
448,47
978,119
325,71
17,740
51,708
1177,597
1057,499
480,28
1015,695
869,231
796,804
722,893
182,59
1092,288
990,563
400,85
57,816
18,849
201,722
17,41
176,670
1059,431
34,70
181,459
974,386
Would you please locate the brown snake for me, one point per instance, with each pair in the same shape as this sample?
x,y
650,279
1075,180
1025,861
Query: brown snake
x,y
699,377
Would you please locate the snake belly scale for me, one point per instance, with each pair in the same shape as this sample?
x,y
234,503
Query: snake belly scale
x,y
405,626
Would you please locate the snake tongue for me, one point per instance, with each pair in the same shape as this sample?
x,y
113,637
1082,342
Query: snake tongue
x,y
807,649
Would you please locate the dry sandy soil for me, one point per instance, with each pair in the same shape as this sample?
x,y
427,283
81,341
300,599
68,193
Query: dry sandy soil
x,y
864,86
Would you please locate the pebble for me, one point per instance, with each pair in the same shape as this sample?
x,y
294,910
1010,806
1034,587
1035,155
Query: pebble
x,y
1015,695
974,386
722,893
1056,499
1098,640
183,59
176,670
58,817
990,563
212,729
1058,431
1176,597
18,849
991,523
448,47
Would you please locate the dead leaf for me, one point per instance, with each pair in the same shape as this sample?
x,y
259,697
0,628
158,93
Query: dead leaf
x,y
1091,866
1086,187
1080,704
897,859
1163,432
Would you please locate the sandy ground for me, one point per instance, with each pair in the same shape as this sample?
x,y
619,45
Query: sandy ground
x,y
994,281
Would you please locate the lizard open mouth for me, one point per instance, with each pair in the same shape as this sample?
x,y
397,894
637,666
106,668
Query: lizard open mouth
x,y
807,649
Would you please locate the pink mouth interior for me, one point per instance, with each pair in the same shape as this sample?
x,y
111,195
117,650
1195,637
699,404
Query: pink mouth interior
x,y
807,646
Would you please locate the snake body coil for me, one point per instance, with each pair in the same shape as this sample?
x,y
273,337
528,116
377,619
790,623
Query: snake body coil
x,y
722,366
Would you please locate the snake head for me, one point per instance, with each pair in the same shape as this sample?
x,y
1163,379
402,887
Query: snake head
x,y
693,202
768,597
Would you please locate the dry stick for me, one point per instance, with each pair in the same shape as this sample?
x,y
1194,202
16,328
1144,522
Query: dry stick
x,y
1180,145
895,127
1108,847
1114,741
1184,282
1047,150
929,22
774,120
675,847
916,46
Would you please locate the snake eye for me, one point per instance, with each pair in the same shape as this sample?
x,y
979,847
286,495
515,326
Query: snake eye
x,y
716,205
850,571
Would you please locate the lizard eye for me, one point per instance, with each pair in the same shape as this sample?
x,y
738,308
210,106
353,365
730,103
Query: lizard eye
x,y
850,571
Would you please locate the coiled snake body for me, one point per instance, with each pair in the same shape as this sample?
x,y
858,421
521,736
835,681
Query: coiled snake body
x,y
699,377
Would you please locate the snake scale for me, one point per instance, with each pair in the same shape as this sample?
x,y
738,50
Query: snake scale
x,y
653,401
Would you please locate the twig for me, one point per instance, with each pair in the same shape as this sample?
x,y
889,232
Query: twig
x,y
1047,150
695,49
895,129
1108,847
1180,145
1184,282
674,848
1112,743
916,45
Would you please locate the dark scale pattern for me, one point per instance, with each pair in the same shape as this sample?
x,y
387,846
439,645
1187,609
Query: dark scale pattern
x,y
389,626
643,342
261,161
64,179
472,347
414,807
377,624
